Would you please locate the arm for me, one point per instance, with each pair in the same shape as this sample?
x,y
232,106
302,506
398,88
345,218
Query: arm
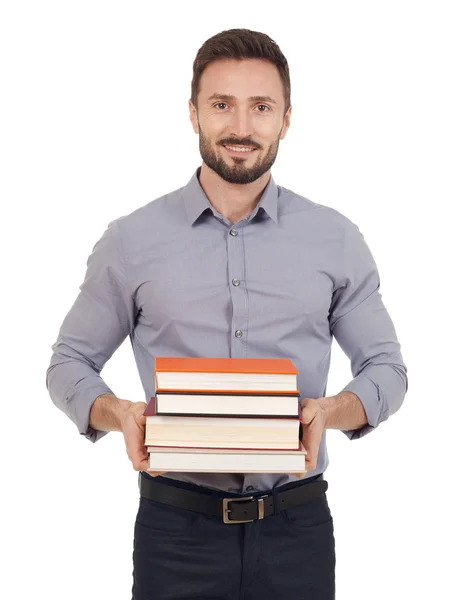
x,y
107,412
343,411
100,319
364,330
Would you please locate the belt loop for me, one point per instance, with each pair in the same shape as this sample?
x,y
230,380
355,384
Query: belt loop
x,y
276,506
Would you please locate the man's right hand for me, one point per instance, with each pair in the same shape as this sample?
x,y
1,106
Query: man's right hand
x,y
133,429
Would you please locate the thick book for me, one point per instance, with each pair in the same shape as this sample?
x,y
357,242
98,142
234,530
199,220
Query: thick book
x,y
201,460
258,375
264,432
232,404
223,432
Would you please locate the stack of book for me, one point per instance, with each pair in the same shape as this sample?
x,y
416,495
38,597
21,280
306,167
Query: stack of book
x,y
225,415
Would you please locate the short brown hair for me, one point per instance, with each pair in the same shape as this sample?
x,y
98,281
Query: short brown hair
x,y
239,44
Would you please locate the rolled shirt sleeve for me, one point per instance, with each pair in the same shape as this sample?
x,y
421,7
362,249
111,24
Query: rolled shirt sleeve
x,y
364,330
100,319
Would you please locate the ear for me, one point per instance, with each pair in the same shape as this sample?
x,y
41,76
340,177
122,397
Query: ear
x,y
193,116
286,124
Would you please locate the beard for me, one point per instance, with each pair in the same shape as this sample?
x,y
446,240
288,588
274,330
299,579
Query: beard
x,y
238,172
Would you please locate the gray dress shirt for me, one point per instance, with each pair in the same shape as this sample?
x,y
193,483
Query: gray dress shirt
x,y
180,280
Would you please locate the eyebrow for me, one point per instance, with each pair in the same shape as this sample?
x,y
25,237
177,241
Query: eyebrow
x,y
229,97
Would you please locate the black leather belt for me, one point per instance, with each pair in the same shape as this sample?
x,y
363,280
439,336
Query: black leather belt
x,y
243,509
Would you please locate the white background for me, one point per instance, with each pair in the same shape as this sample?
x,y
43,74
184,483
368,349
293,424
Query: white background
x,y
94,123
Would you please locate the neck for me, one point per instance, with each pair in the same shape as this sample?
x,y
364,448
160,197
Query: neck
x,y
233,201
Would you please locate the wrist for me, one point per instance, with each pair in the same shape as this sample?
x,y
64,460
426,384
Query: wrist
x,y
328,407
343,411
107,412
123,409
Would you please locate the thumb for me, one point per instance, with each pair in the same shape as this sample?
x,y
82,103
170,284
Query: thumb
x,y
308,410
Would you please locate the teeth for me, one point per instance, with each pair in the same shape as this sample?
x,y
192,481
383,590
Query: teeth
x,y
239,148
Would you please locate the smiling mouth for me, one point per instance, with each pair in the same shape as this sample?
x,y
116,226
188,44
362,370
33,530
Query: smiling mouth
x,y
239,150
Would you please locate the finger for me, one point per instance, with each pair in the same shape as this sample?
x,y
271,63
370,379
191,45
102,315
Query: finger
x,y
145,467
156,473
138,455
308,411
311,460
308,442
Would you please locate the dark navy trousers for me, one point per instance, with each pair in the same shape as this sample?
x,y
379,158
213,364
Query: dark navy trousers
x,y
181,554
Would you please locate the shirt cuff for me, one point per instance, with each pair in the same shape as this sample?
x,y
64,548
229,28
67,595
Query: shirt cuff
x,y
369,394
80,411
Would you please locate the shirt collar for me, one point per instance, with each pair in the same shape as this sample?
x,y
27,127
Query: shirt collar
x,y
196,201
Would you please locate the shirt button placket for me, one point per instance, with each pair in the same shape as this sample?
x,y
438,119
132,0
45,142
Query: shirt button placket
x,y
240,308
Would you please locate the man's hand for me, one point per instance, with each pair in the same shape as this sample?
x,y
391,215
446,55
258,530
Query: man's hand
x,y
313,420
133,429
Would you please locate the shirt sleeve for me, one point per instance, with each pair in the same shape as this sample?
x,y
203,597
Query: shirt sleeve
x,y
364,330
100,319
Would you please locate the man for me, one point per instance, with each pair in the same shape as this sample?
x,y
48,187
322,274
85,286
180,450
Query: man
x,y
233,265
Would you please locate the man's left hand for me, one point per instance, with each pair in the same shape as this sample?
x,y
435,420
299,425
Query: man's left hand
x,y
313,420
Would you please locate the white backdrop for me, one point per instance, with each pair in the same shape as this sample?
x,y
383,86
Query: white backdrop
x,y
94,124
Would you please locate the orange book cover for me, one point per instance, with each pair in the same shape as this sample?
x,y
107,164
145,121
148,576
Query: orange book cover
x,y
195,364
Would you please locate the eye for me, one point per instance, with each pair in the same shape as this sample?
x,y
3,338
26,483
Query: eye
x,y
219,103
263,106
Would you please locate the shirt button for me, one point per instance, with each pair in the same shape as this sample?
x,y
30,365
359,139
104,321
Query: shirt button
x,y
233,232
238,333
236,281
249,488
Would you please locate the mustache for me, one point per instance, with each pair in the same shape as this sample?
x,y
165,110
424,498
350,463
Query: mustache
x,y
232,142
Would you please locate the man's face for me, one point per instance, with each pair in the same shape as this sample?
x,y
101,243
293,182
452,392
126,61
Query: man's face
x,y
240,118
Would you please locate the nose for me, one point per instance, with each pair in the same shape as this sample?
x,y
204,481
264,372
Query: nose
x,y
241,124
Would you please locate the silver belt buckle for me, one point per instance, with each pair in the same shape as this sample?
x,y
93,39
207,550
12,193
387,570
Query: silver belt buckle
x,y
226,509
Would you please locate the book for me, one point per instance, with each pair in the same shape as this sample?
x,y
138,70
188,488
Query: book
x,y
258,375
206,404
201,460
221,432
